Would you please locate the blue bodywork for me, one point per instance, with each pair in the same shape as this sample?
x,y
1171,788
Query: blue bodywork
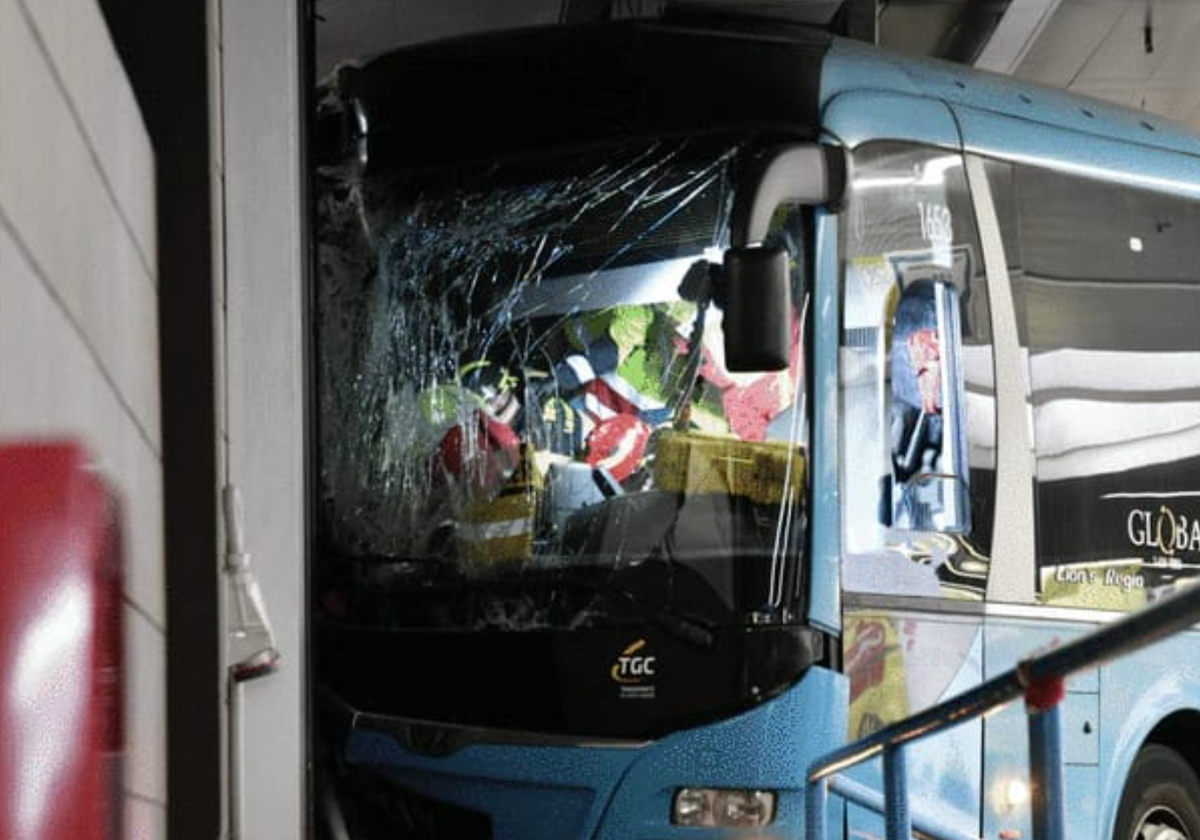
x,y
854,67
868,95
825,605
625,793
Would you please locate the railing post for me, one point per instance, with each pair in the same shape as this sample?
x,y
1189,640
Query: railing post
x,y
1043,706
895,793
815,806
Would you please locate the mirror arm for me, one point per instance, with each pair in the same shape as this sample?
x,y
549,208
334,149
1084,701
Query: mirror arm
x,y
793,174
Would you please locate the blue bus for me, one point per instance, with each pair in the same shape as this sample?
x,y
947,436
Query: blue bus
x,y
693,396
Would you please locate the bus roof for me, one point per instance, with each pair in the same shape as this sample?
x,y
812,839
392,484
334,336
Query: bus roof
x,y
855,66
556,88
527,91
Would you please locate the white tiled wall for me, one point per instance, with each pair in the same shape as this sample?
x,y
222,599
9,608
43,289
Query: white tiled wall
x,y
78,315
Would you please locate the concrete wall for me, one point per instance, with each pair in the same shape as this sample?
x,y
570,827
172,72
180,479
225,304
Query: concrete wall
x,y
78,314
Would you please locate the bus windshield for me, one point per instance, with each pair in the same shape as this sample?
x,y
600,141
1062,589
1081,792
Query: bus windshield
x,y
524,419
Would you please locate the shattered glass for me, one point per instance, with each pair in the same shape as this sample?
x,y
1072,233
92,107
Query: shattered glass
x,y
523,415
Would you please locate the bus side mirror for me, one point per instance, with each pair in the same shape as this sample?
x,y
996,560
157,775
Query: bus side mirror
x,y
755,285
758,304
928,489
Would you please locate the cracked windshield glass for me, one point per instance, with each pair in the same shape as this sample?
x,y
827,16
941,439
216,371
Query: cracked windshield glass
x,y
524,419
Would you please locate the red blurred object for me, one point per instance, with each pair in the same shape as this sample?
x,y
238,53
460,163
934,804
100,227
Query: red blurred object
x,y
483,451
61,641
925,355
618,445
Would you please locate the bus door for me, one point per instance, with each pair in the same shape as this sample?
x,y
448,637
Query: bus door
x,y
917,460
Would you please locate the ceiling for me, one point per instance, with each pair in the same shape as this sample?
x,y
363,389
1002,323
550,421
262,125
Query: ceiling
x,y
1139,53
1101,48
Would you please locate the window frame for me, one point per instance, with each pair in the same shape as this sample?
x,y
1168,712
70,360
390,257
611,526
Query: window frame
x,y
975,235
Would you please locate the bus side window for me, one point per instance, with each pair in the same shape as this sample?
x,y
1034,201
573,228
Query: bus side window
x,y
1106,287
917,490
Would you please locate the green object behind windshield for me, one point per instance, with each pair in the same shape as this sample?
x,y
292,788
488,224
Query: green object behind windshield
x,y
512,383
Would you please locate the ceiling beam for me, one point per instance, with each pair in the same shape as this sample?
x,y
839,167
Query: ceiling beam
x,y
1016,32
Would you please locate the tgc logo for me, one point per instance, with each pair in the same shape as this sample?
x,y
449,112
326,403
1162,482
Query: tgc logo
x,y
632,668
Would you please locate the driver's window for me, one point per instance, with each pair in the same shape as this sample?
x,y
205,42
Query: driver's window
x,y
917,481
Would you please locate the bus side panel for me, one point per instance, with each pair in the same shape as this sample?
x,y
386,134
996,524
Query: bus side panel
x,y
1006,734
1140,691
1102,730
899,662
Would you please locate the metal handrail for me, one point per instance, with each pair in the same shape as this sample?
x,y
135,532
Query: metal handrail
x,y
1041,680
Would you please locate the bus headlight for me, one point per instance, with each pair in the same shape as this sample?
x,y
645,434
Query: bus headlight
x,y
723,807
